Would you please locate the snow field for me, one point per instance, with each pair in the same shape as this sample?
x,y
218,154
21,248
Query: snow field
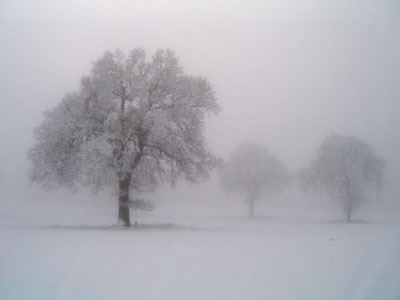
x,y
272,261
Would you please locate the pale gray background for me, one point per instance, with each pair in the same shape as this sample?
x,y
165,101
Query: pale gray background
x,y
287,74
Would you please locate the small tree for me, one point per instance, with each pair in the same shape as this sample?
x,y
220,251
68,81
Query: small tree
x,y
346,168
133,124
252,170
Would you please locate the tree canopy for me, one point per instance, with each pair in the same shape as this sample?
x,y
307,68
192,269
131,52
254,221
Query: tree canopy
x,y
346,168
133,124
252,171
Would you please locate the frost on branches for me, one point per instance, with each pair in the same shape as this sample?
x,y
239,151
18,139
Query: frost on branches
x,y
133,124
253,171
347,169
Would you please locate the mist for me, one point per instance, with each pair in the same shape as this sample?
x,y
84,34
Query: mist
x,y
287,74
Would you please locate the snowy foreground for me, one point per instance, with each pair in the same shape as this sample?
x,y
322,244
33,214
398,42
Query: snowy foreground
x,y
263,260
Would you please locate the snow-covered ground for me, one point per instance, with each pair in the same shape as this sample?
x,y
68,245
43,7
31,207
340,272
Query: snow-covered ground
x,y
268,260
301,253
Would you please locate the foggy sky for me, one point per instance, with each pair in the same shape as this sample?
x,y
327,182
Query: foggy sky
x,y
286,73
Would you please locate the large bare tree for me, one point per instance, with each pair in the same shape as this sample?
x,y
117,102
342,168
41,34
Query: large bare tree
x,y
253,171
133,124
347,169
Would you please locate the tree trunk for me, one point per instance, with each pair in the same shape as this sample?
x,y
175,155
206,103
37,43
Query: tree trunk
x,y
123,212
348,200
251,208
349,211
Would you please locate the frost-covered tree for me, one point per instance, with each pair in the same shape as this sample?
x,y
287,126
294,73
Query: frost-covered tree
x,y
134,123
253,171
346,168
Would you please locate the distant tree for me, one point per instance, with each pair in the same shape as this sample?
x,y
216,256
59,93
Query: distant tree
x,y
345,168
253,171
133,124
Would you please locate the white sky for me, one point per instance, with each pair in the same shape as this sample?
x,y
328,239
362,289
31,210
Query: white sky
x,y
287,73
